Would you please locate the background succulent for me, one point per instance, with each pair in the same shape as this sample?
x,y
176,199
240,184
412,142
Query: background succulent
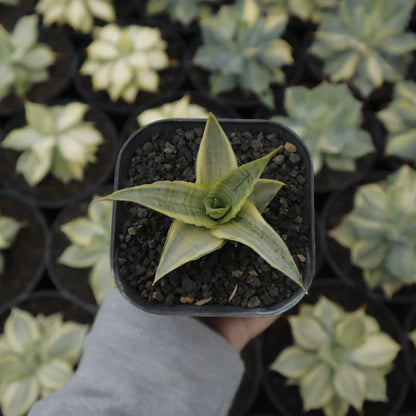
x,y
303,9
37,356
183,11
328,118
399,119
243,50
224,204
338,360
9,228
23,61
90,246
56,140
380,231
365,41
412,337
178,109
79,14
125,60
10,2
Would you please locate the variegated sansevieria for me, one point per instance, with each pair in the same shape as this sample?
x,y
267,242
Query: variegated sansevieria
x,y
224,204
339,359
9,227
37,356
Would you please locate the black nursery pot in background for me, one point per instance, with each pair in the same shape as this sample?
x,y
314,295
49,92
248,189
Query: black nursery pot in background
x,y
235,272
24,260
287,399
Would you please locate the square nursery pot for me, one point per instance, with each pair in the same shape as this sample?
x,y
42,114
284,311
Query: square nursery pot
x,y
152,140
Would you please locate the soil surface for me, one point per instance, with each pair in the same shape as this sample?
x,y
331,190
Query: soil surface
x,y
29,245
51,190
235,274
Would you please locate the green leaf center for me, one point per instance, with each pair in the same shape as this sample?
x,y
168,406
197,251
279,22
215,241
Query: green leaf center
x,y
216,208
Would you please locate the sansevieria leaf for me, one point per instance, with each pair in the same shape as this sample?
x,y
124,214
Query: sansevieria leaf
x,y
179,200
263,193
185,243
233,189
17,397
250,228
215,156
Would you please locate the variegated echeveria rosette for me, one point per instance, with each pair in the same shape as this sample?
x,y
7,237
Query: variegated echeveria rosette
x,y
181,108
380,232
310,10
124,61
243,50
24,61
56,140
9,228
79,14
182,11
37,357
328,118
224,204
90,238
338,358
366,42
399,119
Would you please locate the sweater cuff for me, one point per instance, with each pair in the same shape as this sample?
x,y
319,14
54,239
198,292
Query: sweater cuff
x,y
155,364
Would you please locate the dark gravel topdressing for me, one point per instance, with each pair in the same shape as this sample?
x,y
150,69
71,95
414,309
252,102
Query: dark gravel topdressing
x,y
235,274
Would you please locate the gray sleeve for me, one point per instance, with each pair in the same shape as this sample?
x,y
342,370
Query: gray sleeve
x,y
137,364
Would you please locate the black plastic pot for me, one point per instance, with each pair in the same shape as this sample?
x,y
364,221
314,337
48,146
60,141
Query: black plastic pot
x,y
50,192
59,73
171,79
411,326
338,257
287,398
9,15
48,302
212,104
24,265
250,383
120,212
71,282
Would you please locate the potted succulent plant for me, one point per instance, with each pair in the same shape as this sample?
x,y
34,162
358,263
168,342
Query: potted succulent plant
x,y
370,234
78,255
267,272
36,65
41,343
340,353
178,105
334,127
364,43
126,67
400,123
245,62
63,152
23,234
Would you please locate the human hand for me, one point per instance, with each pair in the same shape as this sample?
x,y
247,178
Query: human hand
x,y
239,331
